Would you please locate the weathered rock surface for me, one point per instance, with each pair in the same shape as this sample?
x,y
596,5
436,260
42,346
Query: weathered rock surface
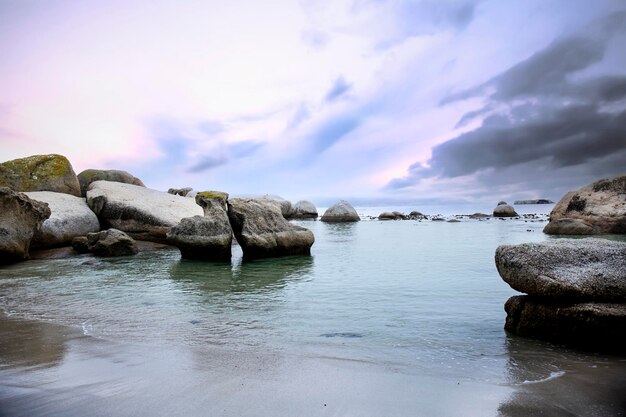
x,y
143,213
341,212
111,242
262,231
80,244
207,237
70,217
593,326
504,210
20,218
600,205
584,269
40,173
92,175
284,205
304,210
538,201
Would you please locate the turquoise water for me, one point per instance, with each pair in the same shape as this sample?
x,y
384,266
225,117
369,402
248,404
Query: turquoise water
x,y
417,297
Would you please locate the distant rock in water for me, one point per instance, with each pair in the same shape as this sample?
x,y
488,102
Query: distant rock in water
x,y
143,213
263,232
341,212
91,175
207,237
40,173
111,242
539,201
70,217
20,218
479,216
576,292
392,215
304,210
180,191
504,210
597,208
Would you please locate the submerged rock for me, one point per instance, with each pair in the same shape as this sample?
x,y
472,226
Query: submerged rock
x,y
587,269
111,242
304,210
479,216
20,218
262,231
597,208
91,175
40,173
504,210
70,217
341,212
142,212
207,237
593,326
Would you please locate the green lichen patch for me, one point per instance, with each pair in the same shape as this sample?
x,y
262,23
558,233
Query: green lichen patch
x,y
39,173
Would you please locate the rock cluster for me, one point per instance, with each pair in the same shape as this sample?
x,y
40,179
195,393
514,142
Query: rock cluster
x,y
597,208
576,291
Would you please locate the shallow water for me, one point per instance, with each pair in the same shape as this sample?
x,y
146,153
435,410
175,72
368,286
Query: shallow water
x,y
415,299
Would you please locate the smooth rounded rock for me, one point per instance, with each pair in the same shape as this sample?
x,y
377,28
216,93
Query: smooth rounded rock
x,y
504,210
304,209
70,217
341,212
114,175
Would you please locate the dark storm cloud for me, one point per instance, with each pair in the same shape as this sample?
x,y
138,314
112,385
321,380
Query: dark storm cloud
x,y
537,114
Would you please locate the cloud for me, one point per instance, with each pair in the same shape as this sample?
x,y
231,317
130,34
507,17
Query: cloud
x,y
339,89
333,130
540,116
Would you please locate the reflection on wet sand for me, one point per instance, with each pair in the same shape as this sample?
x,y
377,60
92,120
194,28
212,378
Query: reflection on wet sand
x,y
31,343
552,381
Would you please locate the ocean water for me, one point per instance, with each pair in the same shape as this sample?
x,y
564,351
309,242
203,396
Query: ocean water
x,y
419,299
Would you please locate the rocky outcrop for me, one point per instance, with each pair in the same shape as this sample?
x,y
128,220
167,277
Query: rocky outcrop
x,y
304,210
180,191
262,231
207,237
283,205
20,218
576,291
111,242
40,173
392,215
593,326
92,175
143,213
341,212
597,208
70,217
504,210
584,269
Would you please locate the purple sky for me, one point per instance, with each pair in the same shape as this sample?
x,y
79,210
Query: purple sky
x,y
386,100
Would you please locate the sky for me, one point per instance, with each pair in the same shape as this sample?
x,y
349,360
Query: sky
x,y
381,101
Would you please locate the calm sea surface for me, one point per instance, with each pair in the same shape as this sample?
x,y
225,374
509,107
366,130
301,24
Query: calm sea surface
x,y
420,298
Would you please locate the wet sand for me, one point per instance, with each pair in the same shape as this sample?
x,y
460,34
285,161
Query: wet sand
x,y
51,370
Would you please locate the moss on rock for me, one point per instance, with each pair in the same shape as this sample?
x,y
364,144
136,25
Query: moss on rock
x,y
40,173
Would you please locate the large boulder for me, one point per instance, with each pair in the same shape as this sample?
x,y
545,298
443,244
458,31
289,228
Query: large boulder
x,y
111,242
593,326
304,210
40,173
283,205
70,217
143,213
341,212
20,218
91,175
504,210
584,269
597,208
207,237
262,231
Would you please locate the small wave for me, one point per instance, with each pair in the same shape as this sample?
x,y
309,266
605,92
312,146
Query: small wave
x,y
553,375
86,328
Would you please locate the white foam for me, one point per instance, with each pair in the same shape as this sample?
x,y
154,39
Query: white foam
x,y
553,375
